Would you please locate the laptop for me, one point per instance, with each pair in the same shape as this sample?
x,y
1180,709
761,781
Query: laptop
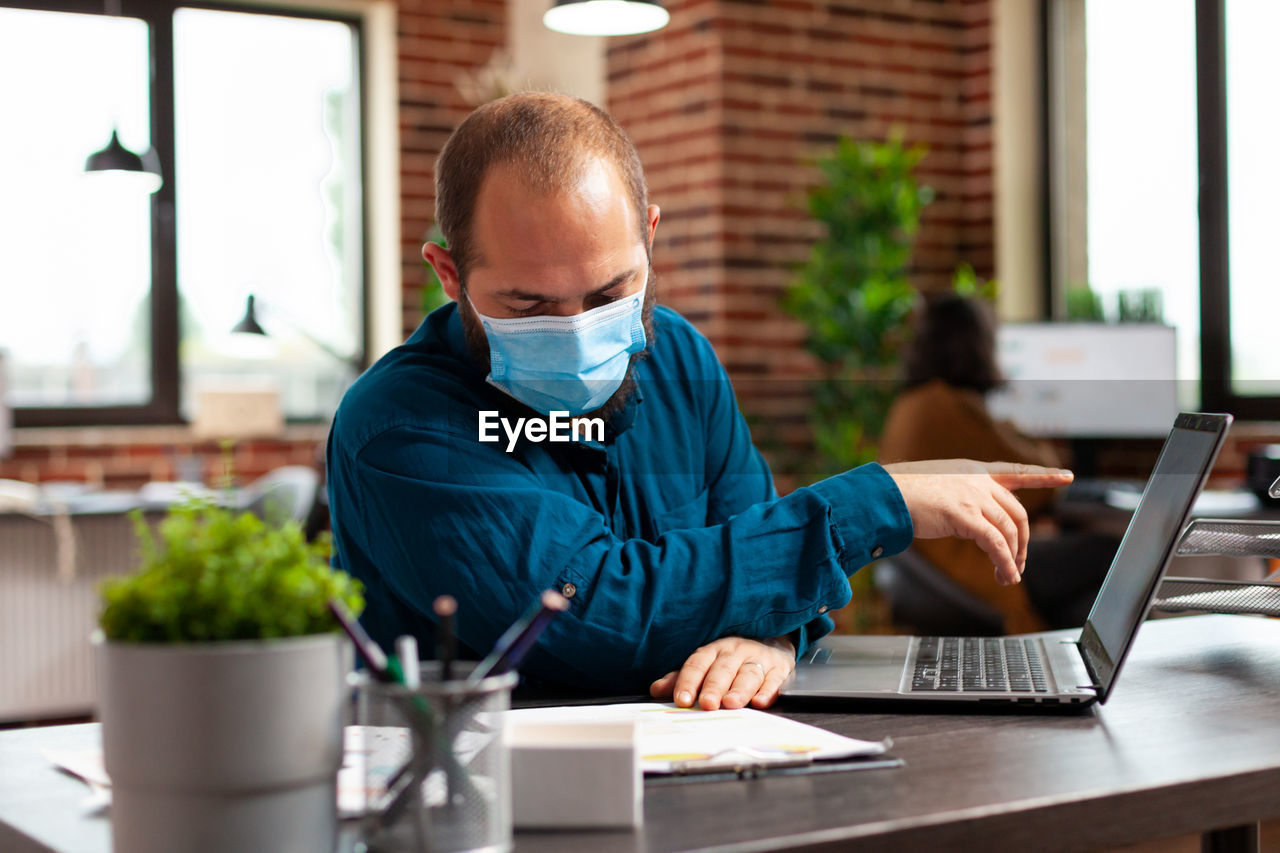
x,y
1071,668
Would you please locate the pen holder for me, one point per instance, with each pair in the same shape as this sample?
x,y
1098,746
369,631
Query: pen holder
x,y
437,766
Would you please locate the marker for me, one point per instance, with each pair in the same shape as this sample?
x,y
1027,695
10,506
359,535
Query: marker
x,y
518,640
445,606
407,652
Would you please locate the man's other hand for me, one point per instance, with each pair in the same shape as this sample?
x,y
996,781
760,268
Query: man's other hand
x,y
973,500
729,673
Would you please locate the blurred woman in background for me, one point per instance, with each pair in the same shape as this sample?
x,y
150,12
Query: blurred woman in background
x,y
941,413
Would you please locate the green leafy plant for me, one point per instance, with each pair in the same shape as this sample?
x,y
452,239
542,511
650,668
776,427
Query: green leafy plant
x,y
853,293
212,574
966,282
1084,304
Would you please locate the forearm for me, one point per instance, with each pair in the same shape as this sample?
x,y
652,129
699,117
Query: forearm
x,y
637,608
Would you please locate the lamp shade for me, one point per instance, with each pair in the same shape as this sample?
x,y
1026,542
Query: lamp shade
x,y
116,158
605,17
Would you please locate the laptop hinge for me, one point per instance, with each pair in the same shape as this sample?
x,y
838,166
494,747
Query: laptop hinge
x,y
1096,686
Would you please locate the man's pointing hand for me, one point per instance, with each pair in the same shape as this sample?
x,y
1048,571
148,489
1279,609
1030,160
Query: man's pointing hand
x,y
974,500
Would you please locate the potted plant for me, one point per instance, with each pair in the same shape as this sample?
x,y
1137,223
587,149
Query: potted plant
x,y
221,679
853,292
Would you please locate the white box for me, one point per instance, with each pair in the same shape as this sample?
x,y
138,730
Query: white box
x,y
234,413
576,775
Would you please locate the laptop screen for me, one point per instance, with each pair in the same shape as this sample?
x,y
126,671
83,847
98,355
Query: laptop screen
x,y
1126,594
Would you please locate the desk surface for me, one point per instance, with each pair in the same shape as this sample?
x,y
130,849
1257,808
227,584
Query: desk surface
x,y
1189,741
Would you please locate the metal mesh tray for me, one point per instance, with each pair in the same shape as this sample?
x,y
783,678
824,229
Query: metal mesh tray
x,y
1183,595
1230,538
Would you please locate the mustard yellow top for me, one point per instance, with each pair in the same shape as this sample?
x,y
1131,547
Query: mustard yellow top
x,y
938,421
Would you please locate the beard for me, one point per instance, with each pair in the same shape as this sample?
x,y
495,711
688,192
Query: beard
x,y
478,349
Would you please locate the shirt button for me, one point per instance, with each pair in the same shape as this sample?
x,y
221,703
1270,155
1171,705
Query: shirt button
x,y
876,552
568,590
822,609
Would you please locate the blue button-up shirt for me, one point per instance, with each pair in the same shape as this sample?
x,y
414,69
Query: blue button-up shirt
x,y
665,535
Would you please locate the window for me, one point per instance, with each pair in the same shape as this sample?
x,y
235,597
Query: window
x,y
75,249
118,307
1171,166
1253,190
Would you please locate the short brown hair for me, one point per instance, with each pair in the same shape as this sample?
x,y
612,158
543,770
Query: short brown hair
x,y
547,137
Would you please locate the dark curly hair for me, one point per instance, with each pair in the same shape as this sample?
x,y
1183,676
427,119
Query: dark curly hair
x,y
954,339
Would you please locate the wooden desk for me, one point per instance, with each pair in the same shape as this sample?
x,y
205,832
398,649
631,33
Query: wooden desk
x,y
1189,742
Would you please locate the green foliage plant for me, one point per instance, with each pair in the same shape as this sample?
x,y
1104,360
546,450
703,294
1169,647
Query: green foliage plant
x,y
1084,304
966,282
853,294
212,574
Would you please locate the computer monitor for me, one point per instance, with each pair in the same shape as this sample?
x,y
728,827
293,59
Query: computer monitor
x,y
1087,380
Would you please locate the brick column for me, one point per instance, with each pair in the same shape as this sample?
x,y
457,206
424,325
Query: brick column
x,y
728,105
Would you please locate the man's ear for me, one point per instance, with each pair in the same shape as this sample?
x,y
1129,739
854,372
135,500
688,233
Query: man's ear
x,y
442,262
654,214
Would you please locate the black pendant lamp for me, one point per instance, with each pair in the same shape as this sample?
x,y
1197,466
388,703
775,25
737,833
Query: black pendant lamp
x,y
605,17
117,159
249,324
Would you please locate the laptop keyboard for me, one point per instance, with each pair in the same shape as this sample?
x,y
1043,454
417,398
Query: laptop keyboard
x,y
978,665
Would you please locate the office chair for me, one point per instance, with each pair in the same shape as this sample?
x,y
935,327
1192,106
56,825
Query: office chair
x,y
922,597
285,494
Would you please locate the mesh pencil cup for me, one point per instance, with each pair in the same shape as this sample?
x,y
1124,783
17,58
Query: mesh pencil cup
x,y
436,766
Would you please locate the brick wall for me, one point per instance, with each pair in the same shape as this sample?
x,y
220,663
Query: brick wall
x,y
438,41
126,458
729,102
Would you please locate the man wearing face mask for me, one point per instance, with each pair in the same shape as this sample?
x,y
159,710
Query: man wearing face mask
x,y
686,574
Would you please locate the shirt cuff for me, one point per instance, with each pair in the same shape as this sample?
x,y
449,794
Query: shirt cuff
x,y
869,518
806,635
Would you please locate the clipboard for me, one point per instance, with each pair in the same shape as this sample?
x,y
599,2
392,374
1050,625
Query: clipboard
x,y
760,770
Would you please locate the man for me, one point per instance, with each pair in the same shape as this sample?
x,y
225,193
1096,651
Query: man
x,y
684,570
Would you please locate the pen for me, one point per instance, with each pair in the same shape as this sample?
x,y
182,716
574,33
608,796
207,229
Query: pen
x,y
382,667
445,606
517,642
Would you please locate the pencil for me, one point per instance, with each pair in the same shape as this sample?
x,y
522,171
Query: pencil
x,y
445,606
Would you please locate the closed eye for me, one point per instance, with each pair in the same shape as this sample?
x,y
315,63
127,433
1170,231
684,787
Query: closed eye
x,y
605,298
525,308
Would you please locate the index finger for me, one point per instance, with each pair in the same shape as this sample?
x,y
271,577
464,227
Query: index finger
x,y
1016,475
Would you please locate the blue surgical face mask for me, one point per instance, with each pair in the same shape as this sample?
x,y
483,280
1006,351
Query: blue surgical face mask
x,y
565,364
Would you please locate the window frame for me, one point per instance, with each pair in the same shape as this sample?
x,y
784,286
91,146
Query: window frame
x,y
164,406
1216,394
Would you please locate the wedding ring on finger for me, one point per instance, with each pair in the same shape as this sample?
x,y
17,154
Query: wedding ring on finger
x,y
756,663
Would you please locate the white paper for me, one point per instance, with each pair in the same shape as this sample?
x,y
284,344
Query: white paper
x,y
672,739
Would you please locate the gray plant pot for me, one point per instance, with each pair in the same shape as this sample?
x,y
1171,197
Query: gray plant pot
x,y
223,746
